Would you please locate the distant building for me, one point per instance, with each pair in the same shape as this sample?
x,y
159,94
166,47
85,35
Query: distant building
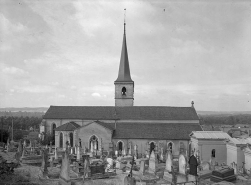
x,y
235,151
123,126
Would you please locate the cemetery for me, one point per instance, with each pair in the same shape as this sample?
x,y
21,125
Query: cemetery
x,y
36,164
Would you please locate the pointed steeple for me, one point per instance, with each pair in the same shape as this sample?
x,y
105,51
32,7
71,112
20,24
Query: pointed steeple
x,y
124,69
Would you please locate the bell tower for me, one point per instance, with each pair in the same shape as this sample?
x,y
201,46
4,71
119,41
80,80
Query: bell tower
x,y
124,86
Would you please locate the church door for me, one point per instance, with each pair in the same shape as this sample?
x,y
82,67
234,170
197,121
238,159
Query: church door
x,y
61,140
152,147
71,139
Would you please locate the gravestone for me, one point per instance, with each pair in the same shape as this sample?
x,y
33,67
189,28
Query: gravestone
x,y
44,162
205,166
161,155
169,161
64,177
50,149
20,147
86,167
142,167
193,164
153,163
128,180
168,170
182,164
56,153
78,153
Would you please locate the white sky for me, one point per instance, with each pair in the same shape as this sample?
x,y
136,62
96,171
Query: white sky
x,y
55,52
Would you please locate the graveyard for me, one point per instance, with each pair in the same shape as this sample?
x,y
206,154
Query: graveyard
x,y
34,164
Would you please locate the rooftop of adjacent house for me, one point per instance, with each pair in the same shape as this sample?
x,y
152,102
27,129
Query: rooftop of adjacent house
x,y
70,126
237,141
209,135
123,113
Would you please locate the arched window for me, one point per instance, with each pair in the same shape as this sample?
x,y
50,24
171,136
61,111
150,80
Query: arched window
x,y
53,133
152,147
120,146
93,144
123,91
71,139
61,140
213,153
170,147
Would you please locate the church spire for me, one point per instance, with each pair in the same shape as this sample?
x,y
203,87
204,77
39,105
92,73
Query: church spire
x,y
124,69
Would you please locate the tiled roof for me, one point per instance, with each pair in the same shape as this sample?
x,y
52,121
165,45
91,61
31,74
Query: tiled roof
x,y
122,113
210,135
70,126
155,130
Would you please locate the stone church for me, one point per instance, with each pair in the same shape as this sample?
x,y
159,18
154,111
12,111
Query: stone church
x,y
123,127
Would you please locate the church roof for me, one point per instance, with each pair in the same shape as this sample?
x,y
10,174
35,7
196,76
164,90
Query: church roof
x,y
70,126
177,131
121,113
124,69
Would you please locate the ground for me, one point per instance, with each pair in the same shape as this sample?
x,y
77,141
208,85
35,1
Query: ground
x,y
31,175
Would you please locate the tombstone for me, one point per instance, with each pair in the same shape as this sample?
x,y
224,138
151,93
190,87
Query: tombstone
x,y
72,151
80,143
136,151
205,166
109,164
44,162
182,164
161,155
56,153
142,167
20,147
116,153
78,154
50,149
128,180
124,152
64,177
193,164
23,154
169,161
86,167
153,163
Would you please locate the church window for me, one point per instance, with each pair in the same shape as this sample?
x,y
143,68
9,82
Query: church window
x,y
61,140
53,133
120,146
93,145
170,147
152,147
213,153
123,91
71,139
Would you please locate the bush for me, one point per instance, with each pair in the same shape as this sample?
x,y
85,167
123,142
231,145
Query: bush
x,y
5,135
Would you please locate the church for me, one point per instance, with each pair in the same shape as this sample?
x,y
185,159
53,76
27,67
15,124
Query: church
x,y
123,127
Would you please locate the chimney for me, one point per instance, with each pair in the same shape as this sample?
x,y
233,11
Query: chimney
x,y
192,103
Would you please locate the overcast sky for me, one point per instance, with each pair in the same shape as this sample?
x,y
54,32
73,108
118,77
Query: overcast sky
x,y
58,52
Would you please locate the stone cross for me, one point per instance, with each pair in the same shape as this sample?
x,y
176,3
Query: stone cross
x,y
64,177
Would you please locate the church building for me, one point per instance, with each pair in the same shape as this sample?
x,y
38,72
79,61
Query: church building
x,y
123,127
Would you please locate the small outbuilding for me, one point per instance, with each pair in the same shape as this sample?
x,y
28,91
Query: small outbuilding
x,y
210,145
